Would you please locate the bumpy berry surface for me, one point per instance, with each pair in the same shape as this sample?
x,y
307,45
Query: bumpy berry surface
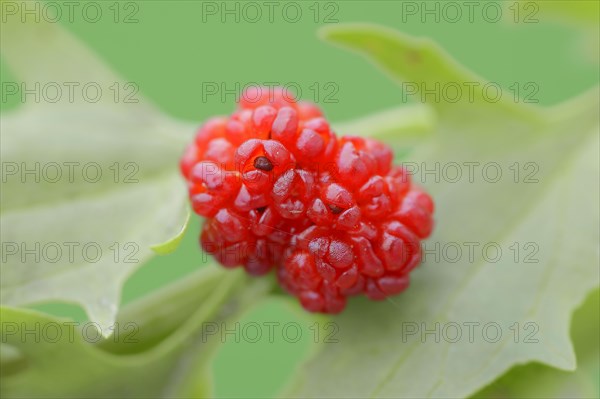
x,y
280,190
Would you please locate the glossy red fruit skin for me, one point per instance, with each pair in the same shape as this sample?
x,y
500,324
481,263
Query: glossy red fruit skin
x,y
256,96
211,188
321,271
316,144
416,211
292,193
230,240
375,198
285,126
308,110
262,162
354,166
336,207
213,129
333,216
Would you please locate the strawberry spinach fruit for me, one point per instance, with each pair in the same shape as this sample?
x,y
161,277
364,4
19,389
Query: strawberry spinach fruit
x,y
376,355
332,215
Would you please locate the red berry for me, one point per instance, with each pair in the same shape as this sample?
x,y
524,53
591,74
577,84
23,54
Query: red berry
x,y
213,128
354,166
398,247
211,187
264,220
316,143
189,158
261,162
246,201
285,126
415,212
308,110
255,96
336,207
292,192
263,118
333,216
374,198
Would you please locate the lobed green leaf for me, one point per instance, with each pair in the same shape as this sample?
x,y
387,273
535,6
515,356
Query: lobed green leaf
x,y
554,210
157,349
82,181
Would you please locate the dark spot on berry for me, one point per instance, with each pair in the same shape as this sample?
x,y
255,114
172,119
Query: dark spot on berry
x,y
263,163
261,209
335,209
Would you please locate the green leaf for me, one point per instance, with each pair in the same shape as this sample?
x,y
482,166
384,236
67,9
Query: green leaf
x,y
171,245
159,350
578,14
409,124
536,380
549,209
88,186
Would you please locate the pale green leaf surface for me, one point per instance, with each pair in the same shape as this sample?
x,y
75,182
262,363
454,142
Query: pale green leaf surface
x,y
136,202
583,15
580,13
409,124
171,244
539,381
137,362
558,213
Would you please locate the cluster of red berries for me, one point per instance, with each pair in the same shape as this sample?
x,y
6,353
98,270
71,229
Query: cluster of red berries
x,y
280,190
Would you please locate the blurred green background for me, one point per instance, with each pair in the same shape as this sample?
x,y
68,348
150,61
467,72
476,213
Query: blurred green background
x,y
175,49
